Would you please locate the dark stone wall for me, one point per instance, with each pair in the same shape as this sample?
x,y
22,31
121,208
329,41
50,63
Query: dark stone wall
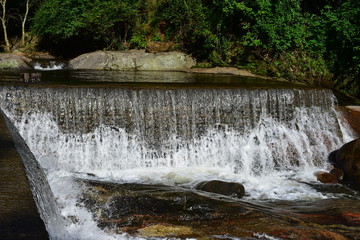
x,y
19,217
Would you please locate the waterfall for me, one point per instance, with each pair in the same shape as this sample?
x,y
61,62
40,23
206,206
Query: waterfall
x,y
269,139
109,129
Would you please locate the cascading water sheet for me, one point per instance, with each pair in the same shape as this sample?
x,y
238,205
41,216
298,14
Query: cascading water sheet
x,y
270,140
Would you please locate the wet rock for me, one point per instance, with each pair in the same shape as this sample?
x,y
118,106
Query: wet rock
x,y
332,157
325,177
157,46
307,233
348,160
118,204
150,211
133,60
351,115
166,231
352,219
338,173
225,188
14,62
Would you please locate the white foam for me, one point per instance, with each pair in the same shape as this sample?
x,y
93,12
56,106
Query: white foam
x,y
265,236
263,164
81,224
51,67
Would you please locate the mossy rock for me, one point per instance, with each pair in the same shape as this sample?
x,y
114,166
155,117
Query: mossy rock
x,y
12,61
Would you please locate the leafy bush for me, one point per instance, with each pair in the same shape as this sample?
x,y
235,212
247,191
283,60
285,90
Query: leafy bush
x,y
301,40
84,25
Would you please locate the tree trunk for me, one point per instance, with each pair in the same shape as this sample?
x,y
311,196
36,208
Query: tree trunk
x,y
3,21
24,22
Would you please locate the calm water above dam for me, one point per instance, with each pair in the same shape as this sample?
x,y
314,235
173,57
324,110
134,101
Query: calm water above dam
x,y
136,79
164,132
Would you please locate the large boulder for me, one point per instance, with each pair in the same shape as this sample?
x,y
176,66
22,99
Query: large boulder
x,y
133,60
224,188
14,62
348,159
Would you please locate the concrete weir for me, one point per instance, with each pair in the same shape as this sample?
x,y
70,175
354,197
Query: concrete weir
x,y
19,218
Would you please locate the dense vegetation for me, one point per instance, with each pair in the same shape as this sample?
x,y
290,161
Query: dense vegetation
x,y
317,41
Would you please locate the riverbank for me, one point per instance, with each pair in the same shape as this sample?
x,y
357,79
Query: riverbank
x,y
133,60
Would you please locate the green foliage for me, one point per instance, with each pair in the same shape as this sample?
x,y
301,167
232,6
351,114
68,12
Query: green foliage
x,y
138,41
187,22
85,23
343,44
275,25
302,40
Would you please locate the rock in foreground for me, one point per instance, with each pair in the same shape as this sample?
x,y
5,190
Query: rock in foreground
x,y
133,60
224,188
325,177
348,159
14,62
334,176
149,211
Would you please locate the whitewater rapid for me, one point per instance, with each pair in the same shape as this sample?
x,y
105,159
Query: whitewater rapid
x,y
271,141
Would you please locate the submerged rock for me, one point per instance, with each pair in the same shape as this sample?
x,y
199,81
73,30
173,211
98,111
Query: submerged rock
x,y
14,62
224,188
348,159
133,60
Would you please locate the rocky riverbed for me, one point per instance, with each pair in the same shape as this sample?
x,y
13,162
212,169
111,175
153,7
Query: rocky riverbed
x,y
173,212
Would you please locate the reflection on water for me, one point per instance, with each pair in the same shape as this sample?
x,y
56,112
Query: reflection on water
x,y
139,79
30,77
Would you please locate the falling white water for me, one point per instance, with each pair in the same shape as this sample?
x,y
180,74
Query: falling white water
x,y
50,66
270,140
